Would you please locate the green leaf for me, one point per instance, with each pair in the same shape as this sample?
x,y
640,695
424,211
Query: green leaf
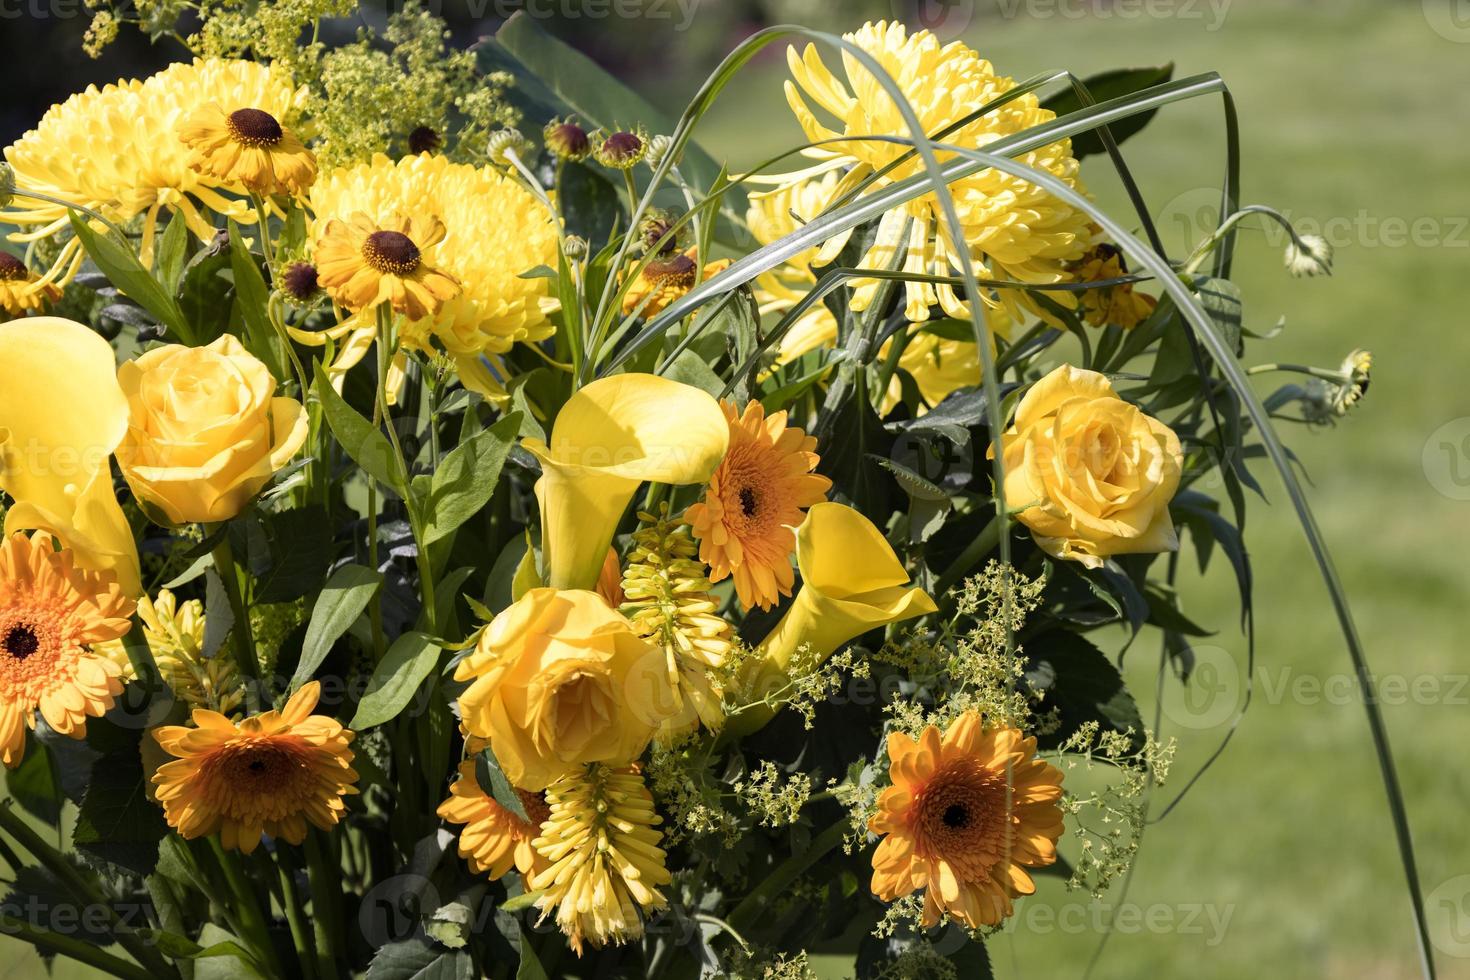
x,y
530,968
170,255
466,478
119,264
223,957
1081,683
691,369
204,293
364,442
300,550
1221,300
251,295
418,959
116,821
33,784
1110,85
398,675
493,781
343,599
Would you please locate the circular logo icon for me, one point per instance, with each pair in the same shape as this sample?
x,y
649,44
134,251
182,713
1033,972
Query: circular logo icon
x,y
391,909
1213,693
1446,458
1188,218
1448,910
945,19
1450,19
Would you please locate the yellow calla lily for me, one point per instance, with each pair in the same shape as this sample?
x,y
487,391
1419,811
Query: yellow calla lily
x,y
852,582
608,438
62,414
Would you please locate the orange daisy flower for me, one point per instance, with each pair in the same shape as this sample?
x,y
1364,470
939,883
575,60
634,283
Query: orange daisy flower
x,y
965,816
249,146
51,612
494,840
745,523
361,264
271,773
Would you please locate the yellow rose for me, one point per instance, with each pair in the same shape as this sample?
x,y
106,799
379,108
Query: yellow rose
x,y
205,431
559,680
1097,473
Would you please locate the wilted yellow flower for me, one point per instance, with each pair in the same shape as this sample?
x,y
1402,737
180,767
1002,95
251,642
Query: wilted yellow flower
x,y
560,679
494,230
494,840
1011,229
205,431
1097,472
116,150
50,613
248,146
851,582
1119,305
664,280
272,773
966,815
61,416
757,495
609,437
175,635
22,292
606,867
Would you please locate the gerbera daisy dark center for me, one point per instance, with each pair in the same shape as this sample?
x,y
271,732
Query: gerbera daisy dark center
x,y
749,502
254,127
12,268
21,641
956,815
391,252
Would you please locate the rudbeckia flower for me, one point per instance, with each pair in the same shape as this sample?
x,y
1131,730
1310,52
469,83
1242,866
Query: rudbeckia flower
x,y
62,413
51,612
21,291
247,146
610,437
362,262
966,815
663,280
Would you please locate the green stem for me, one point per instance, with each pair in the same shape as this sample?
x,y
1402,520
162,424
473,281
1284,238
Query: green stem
x,y
301,937
77,949
242,640
326,918
780,879
247,909
80,209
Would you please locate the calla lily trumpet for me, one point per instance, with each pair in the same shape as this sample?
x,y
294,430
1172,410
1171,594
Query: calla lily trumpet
x,y
611,436
852,582
62,413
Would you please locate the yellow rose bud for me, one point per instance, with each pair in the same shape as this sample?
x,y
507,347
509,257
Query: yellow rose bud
x,y
559,680
1097,472
205,430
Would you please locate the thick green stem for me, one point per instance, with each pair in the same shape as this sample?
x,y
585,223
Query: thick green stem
x,y
780,879
326,917
242,639
301,936
247,909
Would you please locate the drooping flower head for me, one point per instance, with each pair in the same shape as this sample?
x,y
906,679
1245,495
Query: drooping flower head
x,y
494,230
51,612
247,146
1011,228
62,414
272,773
966,815
759,493
610,437
116,150
605,866
494,839
21,290
1120,305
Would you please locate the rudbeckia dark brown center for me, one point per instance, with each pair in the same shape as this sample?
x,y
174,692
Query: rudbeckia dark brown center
x,y
12,268
254,127
391,252
300,281
679,272
623,146
424,140
20,641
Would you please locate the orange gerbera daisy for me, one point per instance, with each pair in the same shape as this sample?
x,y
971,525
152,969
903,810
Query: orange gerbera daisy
x,y
966,814
270,774
51,612
494,840
756,498
361,264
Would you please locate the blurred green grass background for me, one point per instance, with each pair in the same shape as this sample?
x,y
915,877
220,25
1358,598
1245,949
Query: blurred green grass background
x,y
1281,862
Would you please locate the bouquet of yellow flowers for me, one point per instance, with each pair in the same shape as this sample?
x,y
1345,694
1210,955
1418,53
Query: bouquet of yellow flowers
x,y
454,527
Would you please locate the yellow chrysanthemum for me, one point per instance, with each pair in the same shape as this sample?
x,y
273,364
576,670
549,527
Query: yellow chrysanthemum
x,y
601,840
1119,305
772,216
116,150
966,815
247,146
51,612
939,365
664,280
668,602
175,634
272,773
22,292
494,840
756,497
1011,228
494,230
